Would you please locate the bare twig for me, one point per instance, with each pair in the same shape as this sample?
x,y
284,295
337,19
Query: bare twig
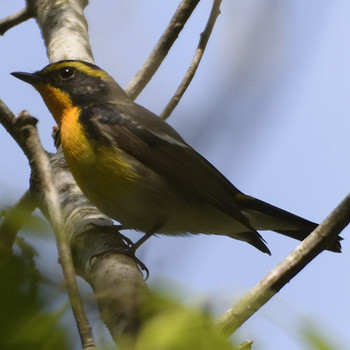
x,y
13,220
8,120
215,11
156,57
41,163
15,19
316,242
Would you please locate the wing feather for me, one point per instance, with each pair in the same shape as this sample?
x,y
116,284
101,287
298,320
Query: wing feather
x,y
154,143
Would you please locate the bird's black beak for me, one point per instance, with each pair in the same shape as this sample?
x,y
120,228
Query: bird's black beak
x,y
30,78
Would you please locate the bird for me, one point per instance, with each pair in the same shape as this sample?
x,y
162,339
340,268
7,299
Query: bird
x,y
138,170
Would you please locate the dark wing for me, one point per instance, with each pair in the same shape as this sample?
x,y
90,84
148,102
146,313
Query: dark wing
x,y
140,133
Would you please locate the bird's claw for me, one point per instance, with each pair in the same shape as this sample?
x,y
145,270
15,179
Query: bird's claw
x,y
129,251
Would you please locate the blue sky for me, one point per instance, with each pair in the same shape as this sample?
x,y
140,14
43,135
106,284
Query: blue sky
x,y
268,107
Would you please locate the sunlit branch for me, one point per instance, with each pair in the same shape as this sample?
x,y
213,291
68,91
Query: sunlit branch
x,y
15,19
215,11
156,57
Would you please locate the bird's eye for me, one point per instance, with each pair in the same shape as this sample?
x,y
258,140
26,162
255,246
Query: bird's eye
x,y
67,73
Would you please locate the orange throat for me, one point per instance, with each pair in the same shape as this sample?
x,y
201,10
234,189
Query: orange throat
x,y
57,101
73,139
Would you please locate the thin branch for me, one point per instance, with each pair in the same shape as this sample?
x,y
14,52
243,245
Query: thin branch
x,y
316,242
26,205
7,119
15,19
156,57
40,161
215,12
14,219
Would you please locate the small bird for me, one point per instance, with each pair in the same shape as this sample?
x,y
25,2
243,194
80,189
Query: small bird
x,y
139,171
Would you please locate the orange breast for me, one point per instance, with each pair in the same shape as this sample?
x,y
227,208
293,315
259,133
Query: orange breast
x,y
75,145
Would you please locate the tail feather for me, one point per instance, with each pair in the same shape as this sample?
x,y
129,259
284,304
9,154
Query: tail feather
x,y
264,216
253,238
300,235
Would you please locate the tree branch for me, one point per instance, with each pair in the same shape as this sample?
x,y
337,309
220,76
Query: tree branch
x,y
17,215
215,11
8,120
307,250
64,29
156,57
15,19
40,162
115,278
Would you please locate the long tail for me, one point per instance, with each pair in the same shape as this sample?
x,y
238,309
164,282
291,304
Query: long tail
x,y
264,216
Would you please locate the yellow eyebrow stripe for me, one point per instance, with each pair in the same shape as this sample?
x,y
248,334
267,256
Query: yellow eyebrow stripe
x,y
79,66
